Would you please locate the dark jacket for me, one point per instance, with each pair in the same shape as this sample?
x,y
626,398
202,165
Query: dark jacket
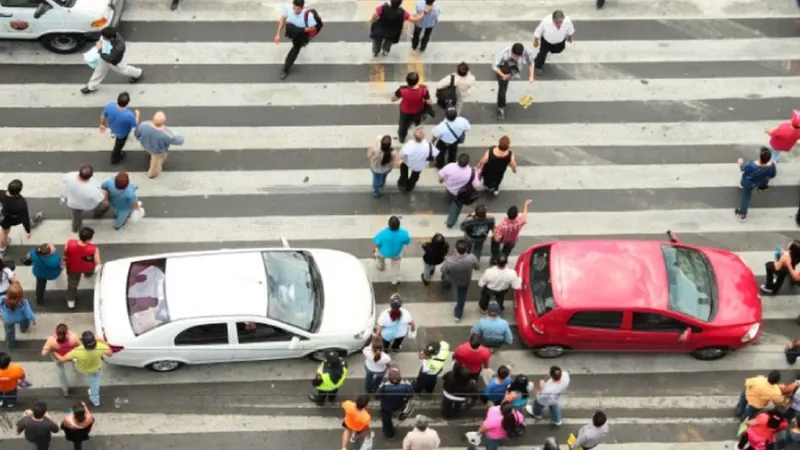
x,y
14,211
394,396
117,52
389,25
435,253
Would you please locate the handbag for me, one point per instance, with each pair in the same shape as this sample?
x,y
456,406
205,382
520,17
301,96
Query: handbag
x,y
467,195
459,139
137,214
446,97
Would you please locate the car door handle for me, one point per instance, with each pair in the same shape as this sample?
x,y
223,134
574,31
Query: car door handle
x,y
6,15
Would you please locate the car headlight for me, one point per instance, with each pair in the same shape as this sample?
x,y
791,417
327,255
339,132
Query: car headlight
x,y
751,333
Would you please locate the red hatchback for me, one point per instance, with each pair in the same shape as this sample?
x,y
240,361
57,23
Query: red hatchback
x,y
636,296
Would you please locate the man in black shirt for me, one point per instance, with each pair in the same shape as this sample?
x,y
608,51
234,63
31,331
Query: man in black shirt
x,y
476,228
13,212
37,426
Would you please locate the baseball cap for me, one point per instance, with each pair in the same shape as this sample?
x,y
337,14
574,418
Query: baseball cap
x,y
395,302
88,340
796,118
493,308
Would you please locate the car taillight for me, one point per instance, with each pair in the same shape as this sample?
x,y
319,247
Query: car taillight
x,y
116,348
99,23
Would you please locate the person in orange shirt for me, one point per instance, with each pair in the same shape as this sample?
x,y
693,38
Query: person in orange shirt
x,y
10,377
356,420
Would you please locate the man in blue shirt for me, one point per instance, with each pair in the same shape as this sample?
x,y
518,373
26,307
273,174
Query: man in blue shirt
x,y
300,25
122,121
493,330
448,134
425,26
389,244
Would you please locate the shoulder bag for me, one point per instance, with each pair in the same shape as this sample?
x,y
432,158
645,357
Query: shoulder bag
x,y
446,97
467,195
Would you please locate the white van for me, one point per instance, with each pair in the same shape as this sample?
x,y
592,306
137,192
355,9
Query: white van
x,y
61,26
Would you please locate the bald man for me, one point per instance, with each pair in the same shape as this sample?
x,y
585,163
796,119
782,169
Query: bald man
x,y
156,138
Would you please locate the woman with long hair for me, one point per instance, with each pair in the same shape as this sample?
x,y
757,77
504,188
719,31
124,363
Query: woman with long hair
x,y
382,159
61,342
502,422
494,163
16,310
435,251
783,266
77,425
376,361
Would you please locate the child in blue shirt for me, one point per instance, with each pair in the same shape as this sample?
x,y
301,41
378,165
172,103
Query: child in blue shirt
x,y
389,244
497,388
16,310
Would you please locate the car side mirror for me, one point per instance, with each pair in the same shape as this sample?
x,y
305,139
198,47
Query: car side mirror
x,y
41,10
294,343
685,335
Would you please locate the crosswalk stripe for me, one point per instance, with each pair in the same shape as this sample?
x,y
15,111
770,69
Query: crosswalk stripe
x,y
677,175
527,178
215,139
320,94
323,53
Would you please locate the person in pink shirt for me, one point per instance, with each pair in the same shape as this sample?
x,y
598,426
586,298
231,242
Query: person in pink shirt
x,y
502,422
784,137
462,184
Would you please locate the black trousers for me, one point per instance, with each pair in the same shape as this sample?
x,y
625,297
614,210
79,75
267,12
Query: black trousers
x,y
451,408
297,44
775,278
404,122
408,178
394,344
323,396
425,383
381,45
447,153
487,295
545,48
387,424
116,152
426,36
502,89
41,285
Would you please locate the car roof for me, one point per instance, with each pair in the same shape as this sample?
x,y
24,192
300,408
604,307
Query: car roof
x,y
609,274
216,284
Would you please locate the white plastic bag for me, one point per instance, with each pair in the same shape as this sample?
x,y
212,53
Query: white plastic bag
x,y
412,334
92,57
474,438
137,214
368,441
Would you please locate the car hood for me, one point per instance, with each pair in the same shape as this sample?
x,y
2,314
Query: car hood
x,y
737,288
349,301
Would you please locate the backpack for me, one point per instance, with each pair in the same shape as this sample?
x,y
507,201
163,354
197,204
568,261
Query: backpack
x,y
317,19
446,97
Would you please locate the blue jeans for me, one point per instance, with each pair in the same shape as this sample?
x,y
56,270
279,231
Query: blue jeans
x,y
372,381
476,247
746,411
491,444
61,368
378,181
775,153
94,387
11,331
455,210
461,300
8,398
747,193
120,217
555,411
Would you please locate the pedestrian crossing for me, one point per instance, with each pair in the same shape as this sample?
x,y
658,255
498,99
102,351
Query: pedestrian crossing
x,y
634,129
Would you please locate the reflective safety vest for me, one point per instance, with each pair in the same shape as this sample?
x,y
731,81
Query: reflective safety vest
x,y
435,364
327,384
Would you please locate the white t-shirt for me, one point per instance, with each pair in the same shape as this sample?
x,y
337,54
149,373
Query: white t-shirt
x,y
551,392
5,282
375,366
497,279
394,330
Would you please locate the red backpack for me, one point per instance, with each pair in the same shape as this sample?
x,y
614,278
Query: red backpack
x,y
317,19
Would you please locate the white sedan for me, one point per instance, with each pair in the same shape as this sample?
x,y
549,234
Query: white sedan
x,y
165,311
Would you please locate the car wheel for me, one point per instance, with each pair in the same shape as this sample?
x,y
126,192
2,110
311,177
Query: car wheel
x,y
165,366
550,351
320,355
710,353
63,44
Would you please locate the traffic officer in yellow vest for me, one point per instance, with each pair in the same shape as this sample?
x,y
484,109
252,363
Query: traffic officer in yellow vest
x,y
434,357
330,377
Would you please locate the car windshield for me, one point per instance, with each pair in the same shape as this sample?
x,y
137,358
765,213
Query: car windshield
x,y
690,280
541,286
147,301
291,284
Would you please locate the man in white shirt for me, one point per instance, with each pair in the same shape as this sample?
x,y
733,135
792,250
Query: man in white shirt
x,y
83,193
414,158
496,281
447,135
551,36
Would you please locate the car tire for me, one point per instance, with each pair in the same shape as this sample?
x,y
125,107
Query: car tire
x,y
319,355
63,43
164,366
551,351
710,353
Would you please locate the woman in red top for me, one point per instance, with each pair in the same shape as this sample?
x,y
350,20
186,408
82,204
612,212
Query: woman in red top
x,y
81,257
414,100
761,430
784,137
61,343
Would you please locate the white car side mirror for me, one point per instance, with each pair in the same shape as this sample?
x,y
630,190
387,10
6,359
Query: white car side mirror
x,y
294,343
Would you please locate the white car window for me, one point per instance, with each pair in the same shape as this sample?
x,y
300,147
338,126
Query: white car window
x,y
207,334
254,332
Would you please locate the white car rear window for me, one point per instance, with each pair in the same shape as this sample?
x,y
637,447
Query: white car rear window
x,y
147,302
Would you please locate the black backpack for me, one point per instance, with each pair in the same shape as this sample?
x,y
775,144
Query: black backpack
x,y
317,19
446,97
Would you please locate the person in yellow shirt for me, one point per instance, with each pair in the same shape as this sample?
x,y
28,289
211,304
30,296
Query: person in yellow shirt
x,y
88,359
10,377
758,393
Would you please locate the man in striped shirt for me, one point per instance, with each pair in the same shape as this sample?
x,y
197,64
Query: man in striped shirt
x,y
506,234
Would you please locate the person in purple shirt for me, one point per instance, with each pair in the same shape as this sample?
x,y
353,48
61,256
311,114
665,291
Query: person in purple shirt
x,y
122,121
455,177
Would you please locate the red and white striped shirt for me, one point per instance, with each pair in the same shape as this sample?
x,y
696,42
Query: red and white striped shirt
x,y
507,232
